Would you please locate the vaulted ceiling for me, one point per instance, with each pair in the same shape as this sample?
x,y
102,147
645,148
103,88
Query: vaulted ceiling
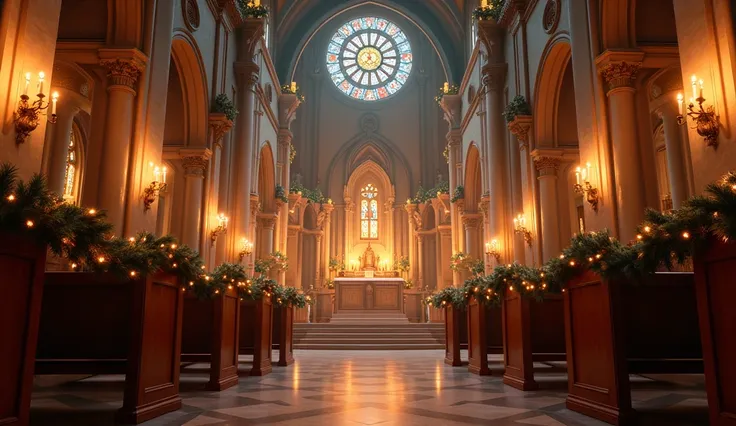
x,y
297,20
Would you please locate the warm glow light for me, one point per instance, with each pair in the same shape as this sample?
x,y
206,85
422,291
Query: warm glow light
x,y
29,223
11,197
92,212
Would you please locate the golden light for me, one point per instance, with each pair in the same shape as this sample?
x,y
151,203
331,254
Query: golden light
x,y
101,259
647,229
686,235
92,212
11,197
29,223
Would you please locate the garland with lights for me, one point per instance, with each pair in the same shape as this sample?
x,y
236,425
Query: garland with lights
x,y
452,89
460,261
491,11
448,296
275,260
32,210
458,194
250,9
286,88
290,296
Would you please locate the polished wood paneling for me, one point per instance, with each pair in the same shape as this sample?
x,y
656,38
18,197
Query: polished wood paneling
x,y
714,271
283,334
351,296
22,265
516,319
256,322
324,306
388,296
455,323
414,307
369,294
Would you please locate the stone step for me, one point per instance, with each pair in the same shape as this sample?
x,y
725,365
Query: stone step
x,y
368,347
375,341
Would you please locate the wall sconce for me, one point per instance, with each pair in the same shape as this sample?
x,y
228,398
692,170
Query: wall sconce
x,y
520,228
583,187
492,250
705,119
27,117
153,190
222,221
246,248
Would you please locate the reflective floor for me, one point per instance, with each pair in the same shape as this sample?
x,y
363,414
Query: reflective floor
x,y
370,388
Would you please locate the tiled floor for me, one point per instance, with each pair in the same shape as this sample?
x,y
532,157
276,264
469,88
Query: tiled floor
x,y
398,388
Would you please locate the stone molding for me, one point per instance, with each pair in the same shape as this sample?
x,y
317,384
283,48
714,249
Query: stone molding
x,y
494,76
123,72
266,221
520,128
547,166
219,126
619,68
471,220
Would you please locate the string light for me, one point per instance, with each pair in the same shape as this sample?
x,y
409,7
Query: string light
x,y
74,266
639,237
647,229
131,239
101,259
686,235
562,256
174,265
92,212
29,223
572,263
133,273
11,197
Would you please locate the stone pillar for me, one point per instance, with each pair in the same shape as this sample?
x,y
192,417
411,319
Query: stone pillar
x,y
484,207
471,222
266,225
327,230
619,72
410,210
420,261
519,129
68,107
247,73
318,261
675,161
124,66
220,172
548,200
496,158
195,164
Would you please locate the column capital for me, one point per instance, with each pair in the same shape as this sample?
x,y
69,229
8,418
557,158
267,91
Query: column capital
x,y
471,220
619,68
195,161
494,76
124,66
288,104
420,238
266,220
455,138
251,33
452,108
547,166
249,73
219,126
490,36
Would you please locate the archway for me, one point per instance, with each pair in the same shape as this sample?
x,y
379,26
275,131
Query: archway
x,y
266,219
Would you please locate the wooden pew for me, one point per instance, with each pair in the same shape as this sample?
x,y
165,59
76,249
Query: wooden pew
x,y
485,335
614,328
256,318
456,335
210,334
97,324
283,334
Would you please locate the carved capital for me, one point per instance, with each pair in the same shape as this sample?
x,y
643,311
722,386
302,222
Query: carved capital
x,y
288,104
284,137
547,166
194,166
452,108
471,221
494,76
520,128
251,34
123,71
266,221
219,126
490,36
248,73
619,74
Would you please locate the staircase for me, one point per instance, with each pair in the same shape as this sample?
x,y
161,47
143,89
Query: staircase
x,y
369,330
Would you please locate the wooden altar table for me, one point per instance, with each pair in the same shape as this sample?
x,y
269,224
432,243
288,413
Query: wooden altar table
x,y
366,294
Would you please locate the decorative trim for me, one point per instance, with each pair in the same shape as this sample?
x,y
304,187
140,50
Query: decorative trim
x,y
122,72
551,16
547,166
190,10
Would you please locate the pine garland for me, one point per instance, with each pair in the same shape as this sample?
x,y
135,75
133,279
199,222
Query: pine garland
x,y
290,296
449,296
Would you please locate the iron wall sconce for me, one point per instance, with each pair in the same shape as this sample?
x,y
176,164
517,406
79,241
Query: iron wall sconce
x,y
705,119
584,187
246,248
222,221
520,228
28,115
153,190
492,250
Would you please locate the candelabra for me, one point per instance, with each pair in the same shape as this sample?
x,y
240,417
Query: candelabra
x,y
28,115
704,118
520,228
153,190
584,187
222,221
492,250
246,248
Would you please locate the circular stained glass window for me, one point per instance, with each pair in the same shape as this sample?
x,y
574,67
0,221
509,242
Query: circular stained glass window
x,y
369,58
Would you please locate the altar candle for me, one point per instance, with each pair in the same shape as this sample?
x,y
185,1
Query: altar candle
x,y
293,86
156,174
28,83
165,174
701,89
587,171
446,87
679,102
484,3
577,175
54,99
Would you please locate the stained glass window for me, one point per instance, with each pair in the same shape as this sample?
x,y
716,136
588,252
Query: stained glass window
x,y
369,212
369,58
70,173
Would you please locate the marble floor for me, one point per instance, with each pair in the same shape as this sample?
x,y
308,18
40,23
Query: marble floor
x,y
396,388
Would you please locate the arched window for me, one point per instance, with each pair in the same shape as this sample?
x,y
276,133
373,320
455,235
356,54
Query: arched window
x,y
72,167
369,212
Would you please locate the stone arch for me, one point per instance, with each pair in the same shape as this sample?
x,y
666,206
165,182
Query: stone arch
x,y
188,65
554,86
473,179
429,221
267,178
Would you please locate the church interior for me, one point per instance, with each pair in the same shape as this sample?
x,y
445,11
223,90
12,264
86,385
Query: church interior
x,y
364,212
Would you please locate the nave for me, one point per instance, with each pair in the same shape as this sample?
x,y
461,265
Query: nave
x,y
387,388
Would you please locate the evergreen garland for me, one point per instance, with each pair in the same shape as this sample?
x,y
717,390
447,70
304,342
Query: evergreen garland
x,y
449,296
290,296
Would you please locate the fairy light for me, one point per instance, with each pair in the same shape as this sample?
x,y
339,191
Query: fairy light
x,y
572,263
174,265
173,247
131,239
92,212
133,273
11,197
29,223
74,266
647,229
562,256
511,288
101,259
686,235
639,237
191,283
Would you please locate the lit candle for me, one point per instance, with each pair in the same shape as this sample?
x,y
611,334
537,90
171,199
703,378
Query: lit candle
x,y
701,89
257,3
484,3
165,174
494,245
54,99
156,174
694,81
446,87
679,102
587,171
516,222
41,76
577,175
293,86
488,247
28,83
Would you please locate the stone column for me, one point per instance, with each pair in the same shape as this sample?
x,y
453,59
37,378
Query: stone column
x,y
327,230
484,207
471,222
219,126
497,159
547,167
68,107
410,210
519,129
266,225
675,161
420,261
195,164
619,72
318,261
247,72
124,66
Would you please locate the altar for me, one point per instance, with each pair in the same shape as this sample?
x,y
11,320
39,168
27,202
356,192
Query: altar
x,y
366,294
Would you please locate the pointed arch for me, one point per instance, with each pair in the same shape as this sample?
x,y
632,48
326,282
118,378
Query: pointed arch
x,y
473,179
267,178
548,88
187,59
